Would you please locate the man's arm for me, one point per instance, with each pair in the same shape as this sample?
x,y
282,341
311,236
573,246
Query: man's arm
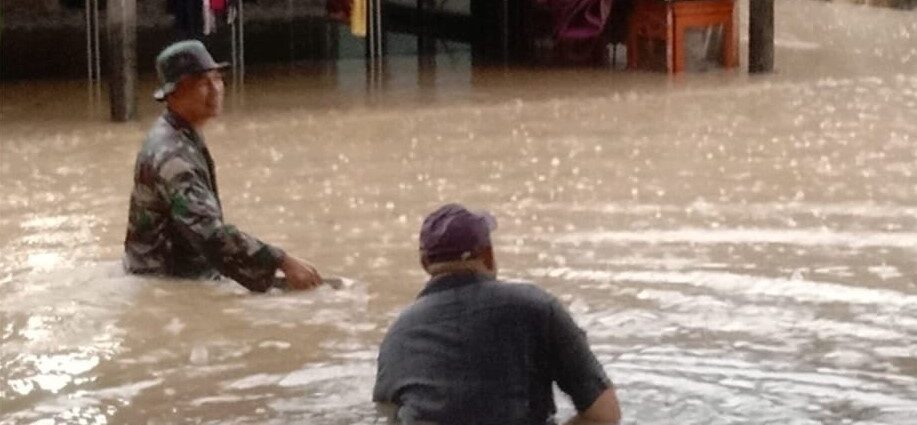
x,y
604,409
384,386
577,372
196,213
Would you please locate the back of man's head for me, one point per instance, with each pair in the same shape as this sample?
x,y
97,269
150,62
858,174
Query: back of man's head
x,y
453,238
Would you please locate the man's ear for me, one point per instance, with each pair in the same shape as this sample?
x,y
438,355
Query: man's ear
x,y
424,263
181,85
487,255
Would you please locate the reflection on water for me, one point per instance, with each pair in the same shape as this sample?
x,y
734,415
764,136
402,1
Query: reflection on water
x,y
740,250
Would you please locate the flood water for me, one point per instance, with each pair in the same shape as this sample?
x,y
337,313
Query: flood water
x,y
740,250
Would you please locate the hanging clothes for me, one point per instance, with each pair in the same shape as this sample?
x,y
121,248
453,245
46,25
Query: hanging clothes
x,y
339,10
579,30
352,12
218,6
358,18
197,18
231,12
210,20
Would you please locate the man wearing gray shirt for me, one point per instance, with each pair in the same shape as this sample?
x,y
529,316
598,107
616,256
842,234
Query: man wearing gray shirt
x,y
474,350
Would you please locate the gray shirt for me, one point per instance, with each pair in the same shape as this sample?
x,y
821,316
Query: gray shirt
x,y
472,350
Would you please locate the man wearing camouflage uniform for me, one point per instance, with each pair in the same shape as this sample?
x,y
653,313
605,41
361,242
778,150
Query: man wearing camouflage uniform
x,y
175,225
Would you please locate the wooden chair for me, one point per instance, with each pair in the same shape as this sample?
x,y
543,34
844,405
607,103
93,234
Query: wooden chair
x,y
666,22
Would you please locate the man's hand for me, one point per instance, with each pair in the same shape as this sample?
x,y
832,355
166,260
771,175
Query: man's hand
x,y
299,274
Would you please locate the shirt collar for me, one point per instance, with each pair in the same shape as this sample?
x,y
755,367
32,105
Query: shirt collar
x,y
182,125
448,281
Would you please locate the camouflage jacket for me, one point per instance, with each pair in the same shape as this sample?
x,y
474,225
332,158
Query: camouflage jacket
x,y
175,224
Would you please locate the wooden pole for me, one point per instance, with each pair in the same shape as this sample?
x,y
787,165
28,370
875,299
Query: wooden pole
x,y
426,44
485,35
761,36
122,59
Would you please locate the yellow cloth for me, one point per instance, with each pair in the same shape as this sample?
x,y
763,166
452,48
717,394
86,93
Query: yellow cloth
x,y
358,18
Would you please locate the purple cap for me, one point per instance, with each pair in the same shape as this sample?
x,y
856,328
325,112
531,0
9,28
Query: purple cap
x,y
452,232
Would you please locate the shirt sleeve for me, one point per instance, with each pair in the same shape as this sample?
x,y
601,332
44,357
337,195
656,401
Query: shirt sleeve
x,y
384,387
575,369
196,213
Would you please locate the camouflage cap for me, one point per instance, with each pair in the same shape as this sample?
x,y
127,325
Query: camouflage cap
x,y
180,59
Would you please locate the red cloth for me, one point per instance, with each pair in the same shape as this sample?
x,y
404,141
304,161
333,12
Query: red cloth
x,y
339,9
217,5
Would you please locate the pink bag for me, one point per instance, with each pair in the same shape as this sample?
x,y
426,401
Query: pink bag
x,y
579,28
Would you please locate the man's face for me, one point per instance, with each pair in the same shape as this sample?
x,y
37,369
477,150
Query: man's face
x,y
199,96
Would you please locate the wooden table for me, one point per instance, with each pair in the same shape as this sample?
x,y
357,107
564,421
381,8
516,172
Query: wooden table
x,y
668,21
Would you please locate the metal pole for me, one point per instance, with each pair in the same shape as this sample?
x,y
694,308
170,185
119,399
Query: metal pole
x,y
380,42
367,43
242,44
371,29
375,44
235,56
370,45
378,14
89,60
98,50
235,76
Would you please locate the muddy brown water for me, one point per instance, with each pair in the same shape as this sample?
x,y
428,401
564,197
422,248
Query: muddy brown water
x,y
740,250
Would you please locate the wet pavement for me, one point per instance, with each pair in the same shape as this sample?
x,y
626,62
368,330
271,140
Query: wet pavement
x,y
740,250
